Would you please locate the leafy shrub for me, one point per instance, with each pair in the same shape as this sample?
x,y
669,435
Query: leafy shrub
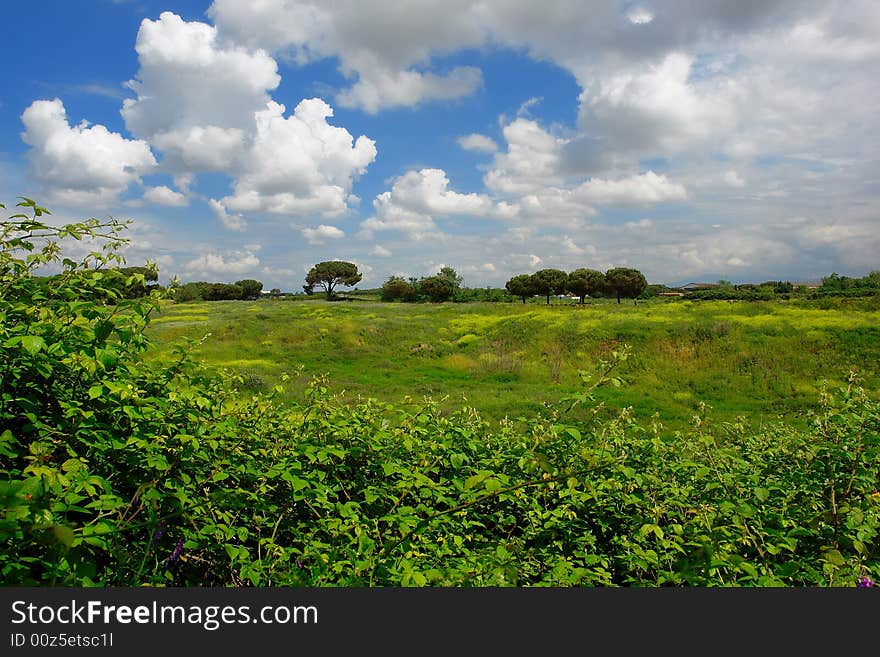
x,y
115,473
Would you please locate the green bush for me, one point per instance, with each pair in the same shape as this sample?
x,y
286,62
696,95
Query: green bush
x,y
117,473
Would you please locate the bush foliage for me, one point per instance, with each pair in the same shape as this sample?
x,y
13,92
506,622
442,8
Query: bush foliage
x,y
118,473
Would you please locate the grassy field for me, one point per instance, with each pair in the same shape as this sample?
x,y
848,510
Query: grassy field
x,y
762,360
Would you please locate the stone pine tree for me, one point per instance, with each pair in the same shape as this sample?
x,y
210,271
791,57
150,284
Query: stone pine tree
x,y
625,282
327,275
520,286
549,281
583,282
437,288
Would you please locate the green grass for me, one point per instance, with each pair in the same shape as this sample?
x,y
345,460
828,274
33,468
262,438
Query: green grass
x,y
761,360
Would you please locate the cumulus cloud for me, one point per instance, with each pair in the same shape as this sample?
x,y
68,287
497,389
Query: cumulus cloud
x,y
82,163
531,161
234,222
163,195
300,164
380,252
416,197
238,262
642,189
322,233
205,103
659,106
196,97
381,46
477,142
381,89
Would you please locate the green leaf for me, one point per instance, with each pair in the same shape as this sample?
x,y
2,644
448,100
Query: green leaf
x,y
470,482
63,535
32,343
834,557
96,391
492,484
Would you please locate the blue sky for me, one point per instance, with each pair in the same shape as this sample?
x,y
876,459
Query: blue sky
x,y
693,142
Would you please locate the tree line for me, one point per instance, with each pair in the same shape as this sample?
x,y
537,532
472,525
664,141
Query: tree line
x,y
245,290
622,282
448,285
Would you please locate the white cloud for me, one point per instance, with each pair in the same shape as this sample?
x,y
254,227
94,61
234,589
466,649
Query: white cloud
x,y
163,195
531,162
231,221
639,226
381,89
82,163
219,263
204,103
659,106
300,164
733,179
640,16
416,197
202,148
427,191
196,97
380,251
477,142
383,47
642,189
321,233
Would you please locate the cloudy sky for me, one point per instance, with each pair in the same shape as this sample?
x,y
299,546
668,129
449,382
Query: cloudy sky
x,y
253,138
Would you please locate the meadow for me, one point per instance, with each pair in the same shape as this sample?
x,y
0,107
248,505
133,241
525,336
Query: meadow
x,y
307,443
759,360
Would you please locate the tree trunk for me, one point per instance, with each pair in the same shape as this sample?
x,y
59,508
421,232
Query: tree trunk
x,y
548,299
524,299
618,297
583,296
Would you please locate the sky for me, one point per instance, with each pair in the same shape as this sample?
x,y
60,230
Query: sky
x,y
694,141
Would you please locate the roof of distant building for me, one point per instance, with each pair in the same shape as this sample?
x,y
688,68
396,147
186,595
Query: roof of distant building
x,y
698,286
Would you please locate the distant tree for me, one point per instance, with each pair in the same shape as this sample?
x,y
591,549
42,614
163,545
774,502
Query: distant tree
x,y
250,289
221,292
437,288
549,281
520,286
327,275
625,282
275,292
396,288
453,276
193,291
583,282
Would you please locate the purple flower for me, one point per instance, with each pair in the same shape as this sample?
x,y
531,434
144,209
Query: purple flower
x,y
864,582
299,564
175,555
157,534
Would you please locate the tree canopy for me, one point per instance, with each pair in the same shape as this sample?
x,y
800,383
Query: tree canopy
x,y
437,288
583,282
520,286
250,289
625,282
397,288
549,281
327,275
